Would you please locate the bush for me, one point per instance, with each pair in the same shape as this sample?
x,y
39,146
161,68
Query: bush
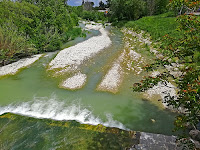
x,y
13,45
71,35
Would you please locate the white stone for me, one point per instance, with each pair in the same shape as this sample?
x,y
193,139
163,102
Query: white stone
x,y
113,78
73,56
134,55
75,82
163,90
155,73
14,67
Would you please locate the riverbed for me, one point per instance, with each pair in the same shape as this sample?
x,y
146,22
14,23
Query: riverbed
x,y
35,92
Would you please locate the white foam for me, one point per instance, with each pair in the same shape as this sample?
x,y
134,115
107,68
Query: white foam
x,y
14,67
58,110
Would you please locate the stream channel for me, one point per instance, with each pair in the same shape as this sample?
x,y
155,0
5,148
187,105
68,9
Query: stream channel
x,y
33,92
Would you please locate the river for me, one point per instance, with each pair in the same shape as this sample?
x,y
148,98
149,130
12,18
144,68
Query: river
x,y
33,92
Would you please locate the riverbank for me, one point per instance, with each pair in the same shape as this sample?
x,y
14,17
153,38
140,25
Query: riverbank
x,y
139,40
178,67
13,68
128,62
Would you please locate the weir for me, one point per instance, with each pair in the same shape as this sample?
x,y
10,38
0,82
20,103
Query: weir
x,y
51,134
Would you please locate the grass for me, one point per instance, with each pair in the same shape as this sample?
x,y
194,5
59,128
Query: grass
x,y
157,26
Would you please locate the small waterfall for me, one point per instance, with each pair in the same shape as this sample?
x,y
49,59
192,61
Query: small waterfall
x,y
52,108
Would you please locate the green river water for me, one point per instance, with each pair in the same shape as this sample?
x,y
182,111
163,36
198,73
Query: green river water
x,y
33,92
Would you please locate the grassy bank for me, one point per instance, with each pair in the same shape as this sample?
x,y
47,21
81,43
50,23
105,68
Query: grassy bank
x,y
157,26
180,56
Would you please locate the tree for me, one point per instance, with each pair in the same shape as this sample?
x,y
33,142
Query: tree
x,y
181,6
186,52
101,5
156,6
151,4
108,3
126,9
161,6
16,21
51,24
88,5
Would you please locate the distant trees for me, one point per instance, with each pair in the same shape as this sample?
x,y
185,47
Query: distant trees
x,y
93,16
134,9
87,5
126,9
101,5
156,6
150,7
161,6
108,3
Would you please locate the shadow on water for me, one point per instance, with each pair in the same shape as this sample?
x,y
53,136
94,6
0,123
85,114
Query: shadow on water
x,y
146,117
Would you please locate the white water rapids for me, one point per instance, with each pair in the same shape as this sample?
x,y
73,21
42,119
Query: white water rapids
x,y
52,108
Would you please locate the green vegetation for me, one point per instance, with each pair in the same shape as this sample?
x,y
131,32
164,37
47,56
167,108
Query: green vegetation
x,y
13,45
13,24
135,9
126,9
20,132
157,26
92,15
181,47
30,27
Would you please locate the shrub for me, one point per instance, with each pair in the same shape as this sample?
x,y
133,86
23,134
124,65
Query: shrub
x,y
13,45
